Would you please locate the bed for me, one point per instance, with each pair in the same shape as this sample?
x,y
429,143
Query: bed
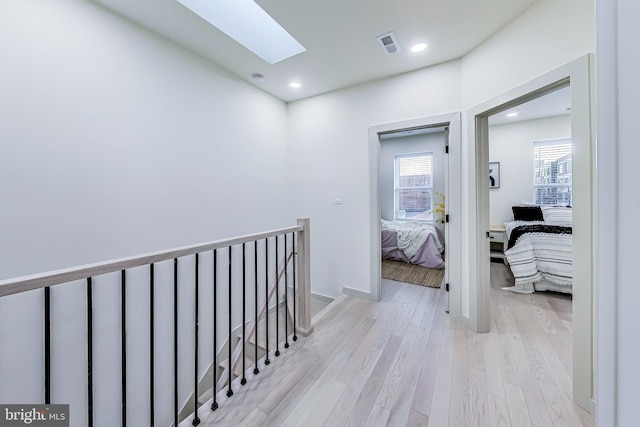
x,y
412,242
540,250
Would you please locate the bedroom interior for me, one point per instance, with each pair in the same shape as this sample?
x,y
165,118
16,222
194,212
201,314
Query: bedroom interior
x,y
577,76
519,138
532,141
412,184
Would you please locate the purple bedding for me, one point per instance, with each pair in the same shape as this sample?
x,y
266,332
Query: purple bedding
x,y
427,256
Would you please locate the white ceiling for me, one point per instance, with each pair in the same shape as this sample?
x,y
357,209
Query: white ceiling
x,y
552,104
556,103
340,37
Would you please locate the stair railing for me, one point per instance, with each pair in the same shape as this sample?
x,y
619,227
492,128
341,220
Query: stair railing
x,y
268,281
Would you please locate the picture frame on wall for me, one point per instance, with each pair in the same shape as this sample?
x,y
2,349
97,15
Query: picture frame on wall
x,y
494,174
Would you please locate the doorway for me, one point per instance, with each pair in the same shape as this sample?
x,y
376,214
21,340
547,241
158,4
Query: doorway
x,y
578,76
412,188
450,122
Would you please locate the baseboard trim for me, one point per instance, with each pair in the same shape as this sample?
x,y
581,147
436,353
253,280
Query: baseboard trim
x,y
460,319
358,293
591,407
304,332
322,298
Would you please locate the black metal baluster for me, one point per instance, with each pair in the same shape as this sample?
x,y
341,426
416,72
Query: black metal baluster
x,y
214,405
123,335
243,381
256,371
89,353
266,299
175,341
286,294
151,346
196,419
295,255
277,353
47,345
230,362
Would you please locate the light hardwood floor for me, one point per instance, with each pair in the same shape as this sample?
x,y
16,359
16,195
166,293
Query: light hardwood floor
x,y
317,305
402,362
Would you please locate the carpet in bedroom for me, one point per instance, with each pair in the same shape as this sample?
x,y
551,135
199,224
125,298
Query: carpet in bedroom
x,y
410,273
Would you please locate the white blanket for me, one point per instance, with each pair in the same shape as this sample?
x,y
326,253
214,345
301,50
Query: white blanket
x,y
538,257
411,235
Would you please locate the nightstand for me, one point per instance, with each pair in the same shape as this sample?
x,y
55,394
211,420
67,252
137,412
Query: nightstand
x,y
498,242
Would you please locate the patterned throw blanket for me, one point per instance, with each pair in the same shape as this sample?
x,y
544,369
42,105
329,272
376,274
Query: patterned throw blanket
x,y
536,228
540,252
412,235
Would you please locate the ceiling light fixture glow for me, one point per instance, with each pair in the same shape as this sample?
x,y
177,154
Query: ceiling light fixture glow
x,y
248,24
419,47
512,114
295,85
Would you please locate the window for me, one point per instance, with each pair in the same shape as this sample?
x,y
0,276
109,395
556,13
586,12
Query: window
x,y
413,185
552,171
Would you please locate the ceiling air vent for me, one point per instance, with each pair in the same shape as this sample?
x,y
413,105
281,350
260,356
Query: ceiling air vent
x,y
389,43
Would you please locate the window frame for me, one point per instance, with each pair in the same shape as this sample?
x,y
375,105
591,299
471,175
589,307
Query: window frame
x,y
397,188
557,185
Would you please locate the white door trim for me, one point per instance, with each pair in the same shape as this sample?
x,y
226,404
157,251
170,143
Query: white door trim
x,y
579,73
452,196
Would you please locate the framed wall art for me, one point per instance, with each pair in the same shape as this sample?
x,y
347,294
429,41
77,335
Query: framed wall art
x,y
494,174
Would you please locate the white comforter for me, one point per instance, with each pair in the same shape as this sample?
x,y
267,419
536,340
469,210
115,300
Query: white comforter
x,y
538,257
412,235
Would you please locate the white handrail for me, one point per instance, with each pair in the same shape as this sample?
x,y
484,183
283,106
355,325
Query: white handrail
x,y
42,280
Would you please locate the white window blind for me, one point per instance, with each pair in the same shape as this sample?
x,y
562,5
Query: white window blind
x,y
552,172
413,186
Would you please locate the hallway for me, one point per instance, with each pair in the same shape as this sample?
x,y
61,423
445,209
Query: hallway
x,y
402,362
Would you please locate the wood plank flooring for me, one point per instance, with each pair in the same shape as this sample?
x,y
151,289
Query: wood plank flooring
x,y
317,305
403,362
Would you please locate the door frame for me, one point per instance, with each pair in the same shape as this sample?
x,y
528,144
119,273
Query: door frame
x,y
579,75
453,265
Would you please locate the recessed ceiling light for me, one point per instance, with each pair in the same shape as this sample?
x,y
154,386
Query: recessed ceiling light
x,y
512,114
418,47
250,25
295,85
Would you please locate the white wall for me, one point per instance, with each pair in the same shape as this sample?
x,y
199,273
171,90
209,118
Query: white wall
x,y
549,34
628,234
327,133
430,142
328,154
617,292
113,142
106,123
511,144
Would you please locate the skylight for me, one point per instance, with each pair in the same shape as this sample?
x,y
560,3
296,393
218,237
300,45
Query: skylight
x,y
248,24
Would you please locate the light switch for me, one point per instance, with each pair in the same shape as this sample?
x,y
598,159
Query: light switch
x,y
337,199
